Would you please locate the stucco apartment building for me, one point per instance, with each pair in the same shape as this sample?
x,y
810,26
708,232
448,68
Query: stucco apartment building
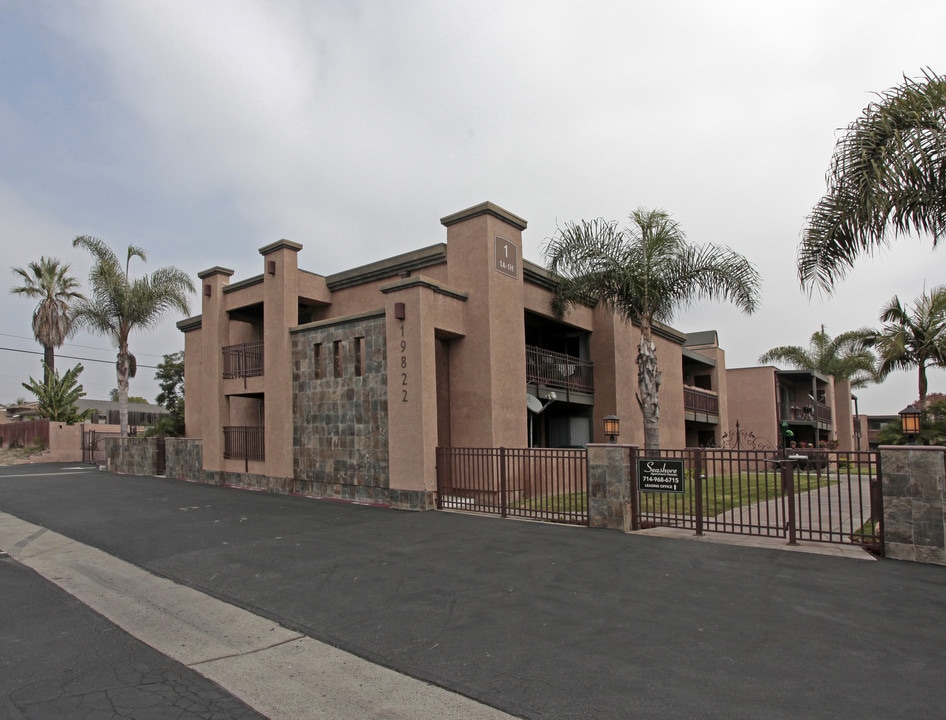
x,y
344,385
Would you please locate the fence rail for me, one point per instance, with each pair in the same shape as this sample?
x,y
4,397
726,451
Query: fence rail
x,y
243,442
243,360
537,483
822,496
557,370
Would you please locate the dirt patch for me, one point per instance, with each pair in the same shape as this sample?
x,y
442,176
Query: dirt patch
x,y
13,456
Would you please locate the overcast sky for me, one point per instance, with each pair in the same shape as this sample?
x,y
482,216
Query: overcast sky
x,y
202,131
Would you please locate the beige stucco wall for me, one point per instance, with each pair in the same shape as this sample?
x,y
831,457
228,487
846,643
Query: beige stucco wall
x,y
456,367
752,402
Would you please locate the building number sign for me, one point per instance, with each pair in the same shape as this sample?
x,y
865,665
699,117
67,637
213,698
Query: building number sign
x,y
507,257
403,363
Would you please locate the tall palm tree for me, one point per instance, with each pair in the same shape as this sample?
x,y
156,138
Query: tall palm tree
x,y
121,304
842,357
911,338
49,280
887,177
645,272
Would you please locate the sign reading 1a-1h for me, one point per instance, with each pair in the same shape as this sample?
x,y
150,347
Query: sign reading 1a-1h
x,y
659,475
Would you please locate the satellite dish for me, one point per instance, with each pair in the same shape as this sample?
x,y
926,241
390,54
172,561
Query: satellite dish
x,y
533,403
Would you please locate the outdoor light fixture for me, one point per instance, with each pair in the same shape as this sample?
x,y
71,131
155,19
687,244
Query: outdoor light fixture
x,y
612,426
910,421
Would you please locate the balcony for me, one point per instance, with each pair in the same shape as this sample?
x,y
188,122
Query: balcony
x,y
558,371
811,412
243,360
243,442
700,404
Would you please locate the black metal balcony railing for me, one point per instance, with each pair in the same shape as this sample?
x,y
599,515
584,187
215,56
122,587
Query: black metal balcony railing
x,y
557,370
243,360
700,401
243,442
806,413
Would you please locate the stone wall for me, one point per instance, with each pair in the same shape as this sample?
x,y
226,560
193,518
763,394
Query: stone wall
x,y
914,486
131,455
609,486
340,410
184,459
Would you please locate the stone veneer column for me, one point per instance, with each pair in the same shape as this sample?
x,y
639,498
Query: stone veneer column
x,y
609,486
914,485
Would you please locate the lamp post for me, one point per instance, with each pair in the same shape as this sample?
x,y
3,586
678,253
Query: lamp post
x,y
612,426
910,423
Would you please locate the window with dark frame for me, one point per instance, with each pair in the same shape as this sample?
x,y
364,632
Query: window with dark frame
x,y
337,357
317,360
359,353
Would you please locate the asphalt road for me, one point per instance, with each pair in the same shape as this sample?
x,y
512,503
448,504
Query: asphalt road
x,y
58,659
539,621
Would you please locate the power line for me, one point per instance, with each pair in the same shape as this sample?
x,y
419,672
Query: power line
x,y
86,347
72,357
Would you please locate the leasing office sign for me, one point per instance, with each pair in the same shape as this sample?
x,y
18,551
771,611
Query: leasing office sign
x,y
660,475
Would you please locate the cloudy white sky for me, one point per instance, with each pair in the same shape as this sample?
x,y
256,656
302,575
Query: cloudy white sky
x,y
202,131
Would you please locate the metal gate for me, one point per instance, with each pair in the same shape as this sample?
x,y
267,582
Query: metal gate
x,y
536,483
816,495
93,446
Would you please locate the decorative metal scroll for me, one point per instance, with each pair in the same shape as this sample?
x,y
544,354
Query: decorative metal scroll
x,y
740,439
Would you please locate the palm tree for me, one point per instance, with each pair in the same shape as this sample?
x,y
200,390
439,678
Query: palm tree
x,y
842,357
645,272
49,280
120,304
911,338
887,176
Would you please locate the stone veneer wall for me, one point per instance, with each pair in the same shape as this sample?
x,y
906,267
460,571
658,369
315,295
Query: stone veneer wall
x,y
914,486
340,424
184,459
131,455
609,486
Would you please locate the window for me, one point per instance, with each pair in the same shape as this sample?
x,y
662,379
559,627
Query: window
x,y
317,361
359,353
337,357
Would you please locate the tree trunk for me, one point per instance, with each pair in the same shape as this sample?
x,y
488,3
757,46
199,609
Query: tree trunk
x,y
124,370
648,384
49,357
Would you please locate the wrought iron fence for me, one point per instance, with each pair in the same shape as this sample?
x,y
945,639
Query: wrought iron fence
x,y
823,496
557,370
538,483
243,360
243,442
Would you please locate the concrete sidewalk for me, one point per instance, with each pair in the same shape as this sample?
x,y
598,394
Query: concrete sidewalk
x,y
535,620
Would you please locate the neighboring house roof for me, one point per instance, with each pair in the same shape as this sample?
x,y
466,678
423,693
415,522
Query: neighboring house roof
x,y
105,405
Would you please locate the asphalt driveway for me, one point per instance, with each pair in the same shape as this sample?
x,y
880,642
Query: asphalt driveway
x,y
541,621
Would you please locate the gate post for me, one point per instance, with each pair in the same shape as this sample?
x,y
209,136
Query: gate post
x,y
611,502
914,502
788,486
697,488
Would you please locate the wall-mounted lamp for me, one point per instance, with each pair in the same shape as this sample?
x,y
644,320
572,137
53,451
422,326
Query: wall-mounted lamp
x,y
271,267
910,422
612,426
400,312
207,290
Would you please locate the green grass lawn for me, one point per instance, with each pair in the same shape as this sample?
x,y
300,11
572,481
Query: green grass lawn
x,y
719,495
